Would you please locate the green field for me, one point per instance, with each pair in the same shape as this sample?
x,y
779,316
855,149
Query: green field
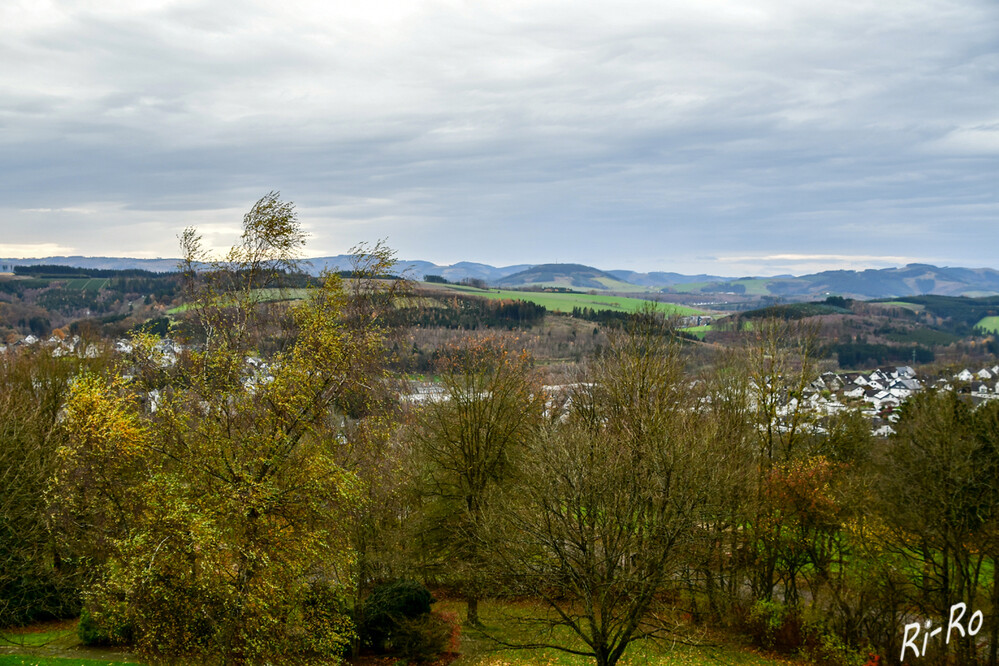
x,y
262,296
566,302
86,284
914,307
990,324
690,287
552,301
60,637
503,620
698,331
753,287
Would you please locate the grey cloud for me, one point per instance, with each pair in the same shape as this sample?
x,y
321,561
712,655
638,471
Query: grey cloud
x,y
466,130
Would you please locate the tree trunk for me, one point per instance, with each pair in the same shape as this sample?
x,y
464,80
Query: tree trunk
x,y
473,610
994,634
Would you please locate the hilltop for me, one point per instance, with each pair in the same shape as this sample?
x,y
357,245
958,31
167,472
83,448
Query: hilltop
x,y
740,292
569,276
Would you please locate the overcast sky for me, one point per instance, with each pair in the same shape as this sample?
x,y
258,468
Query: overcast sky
x,y
736,138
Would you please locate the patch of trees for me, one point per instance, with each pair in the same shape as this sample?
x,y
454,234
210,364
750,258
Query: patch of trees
x,y
605,317
471,313
478,283
60,272
864,354
959,309
796,310
41,576
613,319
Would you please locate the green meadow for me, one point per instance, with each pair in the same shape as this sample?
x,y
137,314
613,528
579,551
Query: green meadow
x,y
990,324
566,302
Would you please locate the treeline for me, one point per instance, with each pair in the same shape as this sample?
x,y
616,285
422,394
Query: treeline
x,y
961,310
832,305
62,272
865,355
606,317
470,313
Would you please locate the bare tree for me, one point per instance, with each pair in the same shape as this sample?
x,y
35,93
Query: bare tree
x,y
609,498
466,446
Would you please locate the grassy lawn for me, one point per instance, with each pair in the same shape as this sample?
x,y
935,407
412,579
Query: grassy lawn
x,y
698,331
504,620
56,644
566,302
990,324
56,634
52,644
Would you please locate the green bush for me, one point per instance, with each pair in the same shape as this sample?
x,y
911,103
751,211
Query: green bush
x,y
774,626
103,633
387,606
824,648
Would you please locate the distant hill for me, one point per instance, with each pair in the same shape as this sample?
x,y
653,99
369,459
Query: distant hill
x,y
661,279
105,263
911,280
341,262
572,276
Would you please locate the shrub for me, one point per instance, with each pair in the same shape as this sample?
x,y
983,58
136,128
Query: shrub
x,y
103,632
774,626
426,637
388,605
824,648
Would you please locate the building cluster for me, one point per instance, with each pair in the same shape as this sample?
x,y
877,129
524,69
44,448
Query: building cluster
x,y
880,392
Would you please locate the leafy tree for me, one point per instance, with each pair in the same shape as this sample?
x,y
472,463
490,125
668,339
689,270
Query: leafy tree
x,y
215,484
38,577
467,445
939,500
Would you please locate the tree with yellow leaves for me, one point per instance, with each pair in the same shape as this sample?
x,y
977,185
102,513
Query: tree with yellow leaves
x,y
226,536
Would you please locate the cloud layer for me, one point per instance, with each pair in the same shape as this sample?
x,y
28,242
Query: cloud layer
x,y
643,135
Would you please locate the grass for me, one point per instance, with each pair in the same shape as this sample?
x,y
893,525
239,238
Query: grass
x,y
913,307
698,331
55,633
505,621
51,644
501,619
690,287
989,324
618,285
566,302
262,295
754,286
86,284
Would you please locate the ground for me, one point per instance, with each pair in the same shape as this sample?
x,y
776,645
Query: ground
x,y
56,644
